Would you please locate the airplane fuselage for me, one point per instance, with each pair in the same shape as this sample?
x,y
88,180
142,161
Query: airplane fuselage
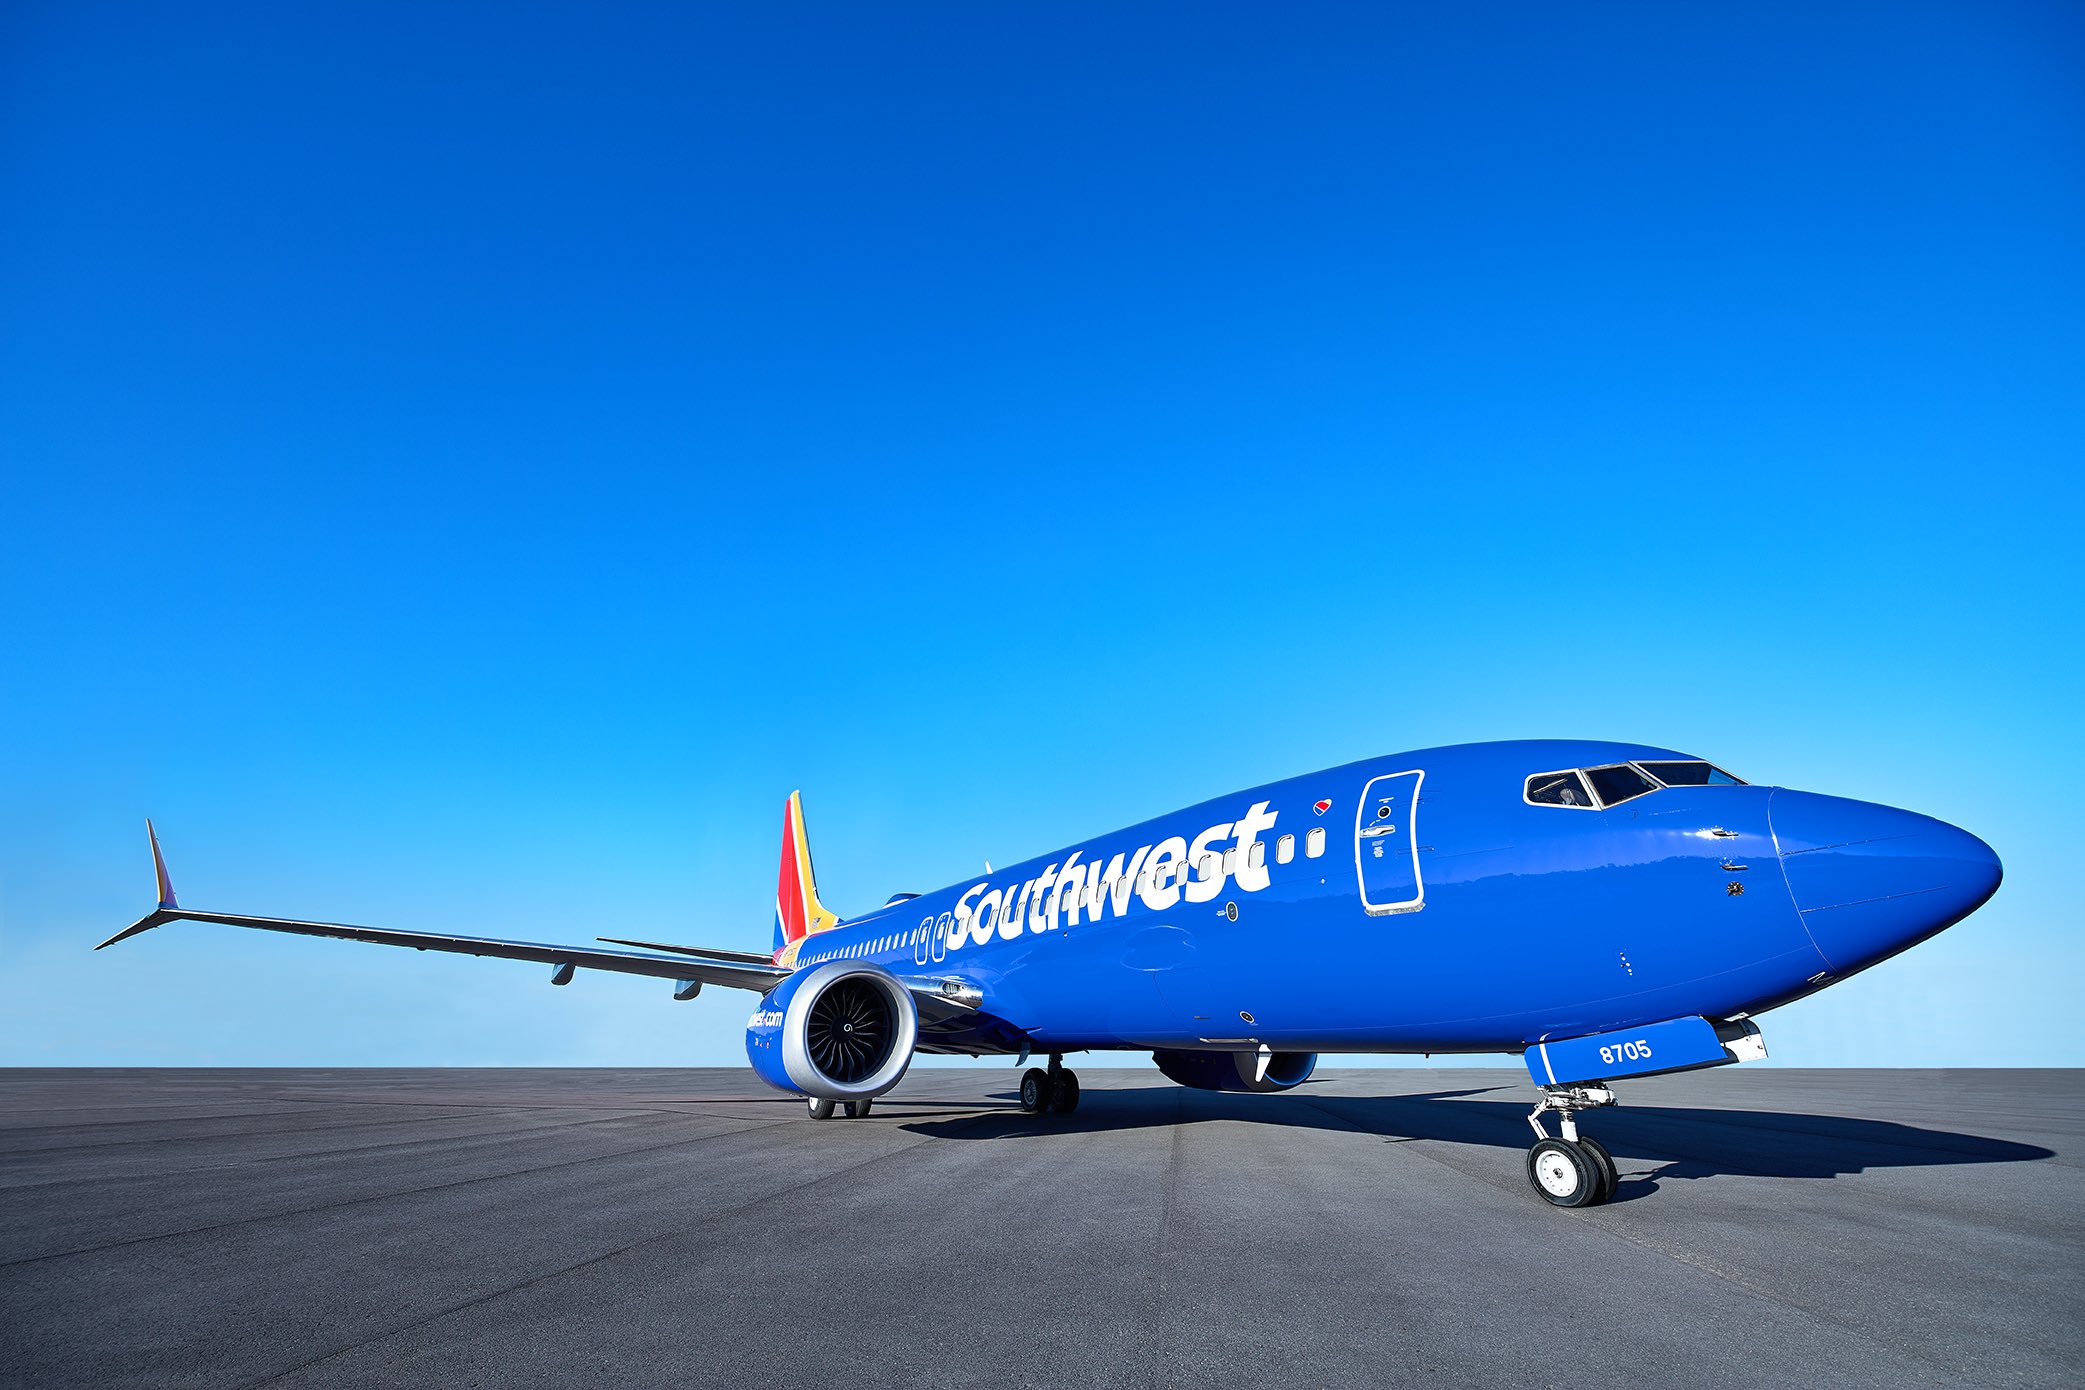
x,y
1423,902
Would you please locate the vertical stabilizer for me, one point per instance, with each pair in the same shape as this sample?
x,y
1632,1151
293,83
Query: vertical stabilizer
x,y
798,913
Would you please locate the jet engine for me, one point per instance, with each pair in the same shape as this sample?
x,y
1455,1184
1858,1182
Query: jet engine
x,y
843,1030
1264,1070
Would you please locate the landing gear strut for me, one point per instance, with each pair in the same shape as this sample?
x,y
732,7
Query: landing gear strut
x,y
1576,1170
1056,1089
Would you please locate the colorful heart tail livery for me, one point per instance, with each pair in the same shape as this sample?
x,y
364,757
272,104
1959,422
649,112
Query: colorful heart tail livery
x,y
798,913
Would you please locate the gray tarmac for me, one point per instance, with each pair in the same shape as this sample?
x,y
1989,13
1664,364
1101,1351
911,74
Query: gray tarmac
x,y
304,1228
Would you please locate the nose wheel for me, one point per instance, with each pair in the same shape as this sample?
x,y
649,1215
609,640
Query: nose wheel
x,y
1055,1089
1575,1170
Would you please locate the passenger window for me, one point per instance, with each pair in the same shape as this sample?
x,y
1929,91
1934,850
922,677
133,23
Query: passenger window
x,y
1211,868
1230,860
1619,783
1285,849
1258,857
1314,843
1558,789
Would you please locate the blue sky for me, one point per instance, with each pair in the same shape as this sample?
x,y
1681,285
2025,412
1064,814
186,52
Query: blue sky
x,y
462,467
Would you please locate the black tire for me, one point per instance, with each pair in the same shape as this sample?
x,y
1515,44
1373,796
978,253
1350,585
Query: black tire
x,y
858,1109
819,1107
1035,1091
1563,1174
1067,1098
1604,1161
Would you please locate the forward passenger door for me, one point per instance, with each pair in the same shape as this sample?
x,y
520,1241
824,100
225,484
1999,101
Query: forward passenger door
x,y
1386,844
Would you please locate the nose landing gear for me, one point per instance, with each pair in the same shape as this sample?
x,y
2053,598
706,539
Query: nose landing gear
x,y
1576,1170
1056,1089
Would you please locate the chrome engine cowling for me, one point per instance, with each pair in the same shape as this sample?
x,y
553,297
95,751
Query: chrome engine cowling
x,y
844,1030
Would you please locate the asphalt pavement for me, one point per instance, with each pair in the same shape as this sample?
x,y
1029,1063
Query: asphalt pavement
x,y
513,1228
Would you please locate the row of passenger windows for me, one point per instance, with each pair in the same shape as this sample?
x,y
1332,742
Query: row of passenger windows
x,y
1589,788
1177,871
1210,866
869,948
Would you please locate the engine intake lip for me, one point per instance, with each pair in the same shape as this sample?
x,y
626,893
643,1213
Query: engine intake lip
x,y
849,1031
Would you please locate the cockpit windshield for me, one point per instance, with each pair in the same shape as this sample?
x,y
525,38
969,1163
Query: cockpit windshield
x,y
1589,788
1558,789
1691,774
1618,783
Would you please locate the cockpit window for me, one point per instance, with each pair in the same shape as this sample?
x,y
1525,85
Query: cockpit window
x,y
1558,789
1618,783
1691,774
1589,788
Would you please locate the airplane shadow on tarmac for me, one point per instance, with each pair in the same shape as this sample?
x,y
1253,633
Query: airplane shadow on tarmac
x,y
1651,1144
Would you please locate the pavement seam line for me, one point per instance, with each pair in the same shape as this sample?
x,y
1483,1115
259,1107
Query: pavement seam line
x,y
1168,1214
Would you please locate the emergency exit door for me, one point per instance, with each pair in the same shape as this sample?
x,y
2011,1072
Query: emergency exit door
x,y
1386,844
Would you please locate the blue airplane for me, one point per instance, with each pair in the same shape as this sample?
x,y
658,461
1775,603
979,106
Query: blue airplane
x,y
1604,910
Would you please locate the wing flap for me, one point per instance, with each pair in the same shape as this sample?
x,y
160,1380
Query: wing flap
x,y
701,952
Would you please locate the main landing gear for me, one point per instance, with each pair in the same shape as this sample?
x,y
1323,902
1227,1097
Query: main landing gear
x,y
1576,1170
1056,1089
821,1108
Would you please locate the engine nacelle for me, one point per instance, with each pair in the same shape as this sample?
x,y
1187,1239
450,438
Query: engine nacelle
x,y
1264,1070
843,1030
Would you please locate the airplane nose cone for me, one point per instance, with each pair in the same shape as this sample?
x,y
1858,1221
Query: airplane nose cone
x,y
1871,880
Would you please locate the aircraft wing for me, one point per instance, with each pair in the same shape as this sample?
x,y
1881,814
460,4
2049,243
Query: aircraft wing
x,y
732,974
938,999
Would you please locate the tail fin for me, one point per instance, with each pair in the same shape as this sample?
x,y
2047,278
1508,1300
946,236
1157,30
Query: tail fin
x,y
798,913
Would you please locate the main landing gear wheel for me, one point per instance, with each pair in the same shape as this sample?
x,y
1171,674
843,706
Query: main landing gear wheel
x,y
820,1107
1035,1091
1563,1174
858,1109
1066,1097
